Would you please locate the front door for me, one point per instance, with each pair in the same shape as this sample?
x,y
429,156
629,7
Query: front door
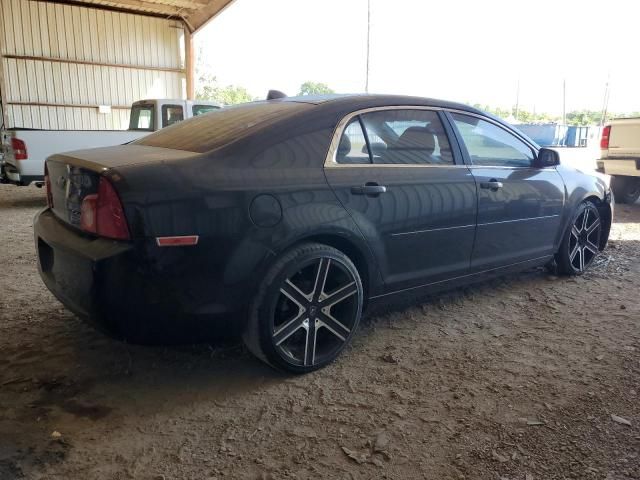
x,y
395,173
519,205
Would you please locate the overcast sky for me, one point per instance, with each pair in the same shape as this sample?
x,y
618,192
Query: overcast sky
x,y
464,50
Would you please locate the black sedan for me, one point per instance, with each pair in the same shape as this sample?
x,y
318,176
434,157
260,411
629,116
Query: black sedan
x,y
288,217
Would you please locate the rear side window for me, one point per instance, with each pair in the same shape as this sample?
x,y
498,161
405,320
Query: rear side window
x,y
352,148
172,114
407,137
141,118
491,145
200,109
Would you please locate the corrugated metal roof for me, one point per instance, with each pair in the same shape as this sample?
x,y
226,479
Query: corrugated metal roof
x,y
195,13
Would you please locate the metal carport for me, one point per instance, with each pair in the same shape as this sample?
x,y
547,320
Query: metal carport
x,y
79,64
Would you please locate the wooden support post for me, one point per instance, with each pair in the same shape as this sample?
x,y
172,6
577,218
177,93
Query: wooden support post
x,y
189,63
4,119
4,115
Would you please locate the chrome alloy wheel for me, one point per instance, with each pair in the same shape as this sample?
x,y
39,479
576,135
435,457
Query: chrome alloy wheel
x,y
316,312
584,239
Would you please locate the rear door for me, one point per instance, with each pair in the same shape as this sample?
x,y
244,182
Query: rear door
x,y
409,193
519,205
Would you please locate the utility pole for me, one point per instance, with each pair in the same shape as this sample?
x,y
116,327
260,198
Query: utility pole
x,y
517,98
605,101
564,101
366,86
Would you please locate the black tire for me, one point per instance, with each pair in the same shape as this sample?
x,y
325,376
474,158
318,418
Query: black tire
x,y
580,244
292,323
626,189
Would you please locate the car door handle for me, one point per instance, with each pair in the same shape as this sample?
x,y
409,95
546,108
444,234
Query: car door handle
x,y
492,184
370,189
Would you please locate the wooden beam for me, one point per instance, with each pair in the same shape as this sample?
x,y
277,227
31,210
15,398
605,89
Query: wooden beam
x,y
190,4
189,64
126,6
204,15
99,64
66,105
143,5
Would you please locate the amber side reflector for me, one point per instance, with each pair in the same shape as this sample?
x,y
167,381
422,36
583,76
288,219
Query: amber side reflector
x,y
177,241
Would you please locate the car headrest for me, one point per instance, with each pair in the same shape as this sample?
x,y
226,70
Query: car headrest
x,y
416,138
344,147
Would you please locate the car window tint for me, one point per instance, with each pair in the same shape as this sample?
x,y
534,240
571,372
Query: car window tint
x,y
353,146
407,137
204,133
491,145
171,114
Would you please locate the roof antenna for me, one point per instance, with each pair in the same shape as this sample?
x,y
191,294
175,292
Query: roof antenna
x,y
274,94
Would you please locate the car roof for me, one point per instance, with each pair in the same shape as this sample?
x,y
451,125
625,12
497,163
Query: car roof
x,y
364,100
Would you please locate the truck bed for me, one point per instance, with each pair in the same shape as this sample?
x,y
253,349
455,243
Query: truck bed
x,y
40,144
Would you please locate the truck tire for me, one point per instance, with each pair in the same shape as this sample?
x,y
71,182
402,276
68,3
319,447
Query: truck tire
x,y
626,189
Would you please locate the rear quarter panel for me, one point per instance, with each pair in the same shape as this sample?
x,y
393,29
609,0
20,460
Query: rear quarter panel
x,y
624,139
212,196
623,155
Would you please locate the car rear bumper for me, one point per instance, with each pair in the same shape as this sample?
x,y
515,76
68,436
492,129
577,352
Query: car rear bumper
x,y
118,286
625,166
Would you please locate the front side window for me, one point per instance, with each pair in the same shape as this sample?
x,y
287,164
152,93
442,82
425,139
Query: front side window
x,y
171,114
409,136
491,145
141,118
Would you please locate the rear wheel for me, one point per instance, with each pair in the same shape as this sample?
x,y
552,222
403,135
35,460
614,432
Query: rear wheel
x,y
580,245
307,309
626,189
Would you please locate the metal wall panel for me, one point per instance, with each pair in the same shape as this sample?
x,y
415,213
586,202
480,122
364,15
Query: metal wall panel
x,y
81,58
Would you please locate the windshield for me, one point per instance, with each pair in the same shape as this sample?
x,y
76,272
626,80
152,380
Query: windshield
x,y
207,132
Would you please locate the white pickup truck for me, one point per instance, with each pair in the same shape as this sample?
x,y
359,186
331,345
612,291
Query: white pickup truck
x,y
23,151
620,158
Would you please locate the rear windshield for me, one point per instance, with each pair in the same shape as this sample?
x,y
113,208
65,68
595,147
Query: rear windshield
x,y
141,118
207,132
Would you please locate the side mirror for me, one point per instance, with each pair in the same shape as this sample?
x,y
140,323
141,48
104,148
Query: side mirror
x,y
547,158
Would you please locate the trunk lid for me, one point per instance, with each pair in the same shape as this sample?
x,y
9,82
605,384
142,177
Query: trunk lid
x,y
74,175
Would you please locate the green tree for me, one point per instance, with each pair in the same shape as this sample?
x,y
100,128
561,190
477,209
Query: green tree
x,y
585,117
209,89
314,88
575,117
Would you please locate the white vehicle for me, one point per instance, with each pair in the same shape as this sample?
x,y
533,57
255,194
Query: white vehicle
x,y
620,158
24,151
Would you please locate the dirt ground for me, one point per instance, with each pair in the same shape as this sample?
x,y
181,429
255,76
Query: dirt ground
x,y
513,379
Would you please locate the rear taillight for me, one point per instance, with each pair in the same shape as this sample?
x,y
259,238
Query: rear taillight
x,y
19,149
604,141
47,187
102,213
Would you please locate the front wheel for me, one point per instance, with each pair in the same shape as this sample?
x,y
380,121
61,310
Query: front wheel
x,y
580,245
307,309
